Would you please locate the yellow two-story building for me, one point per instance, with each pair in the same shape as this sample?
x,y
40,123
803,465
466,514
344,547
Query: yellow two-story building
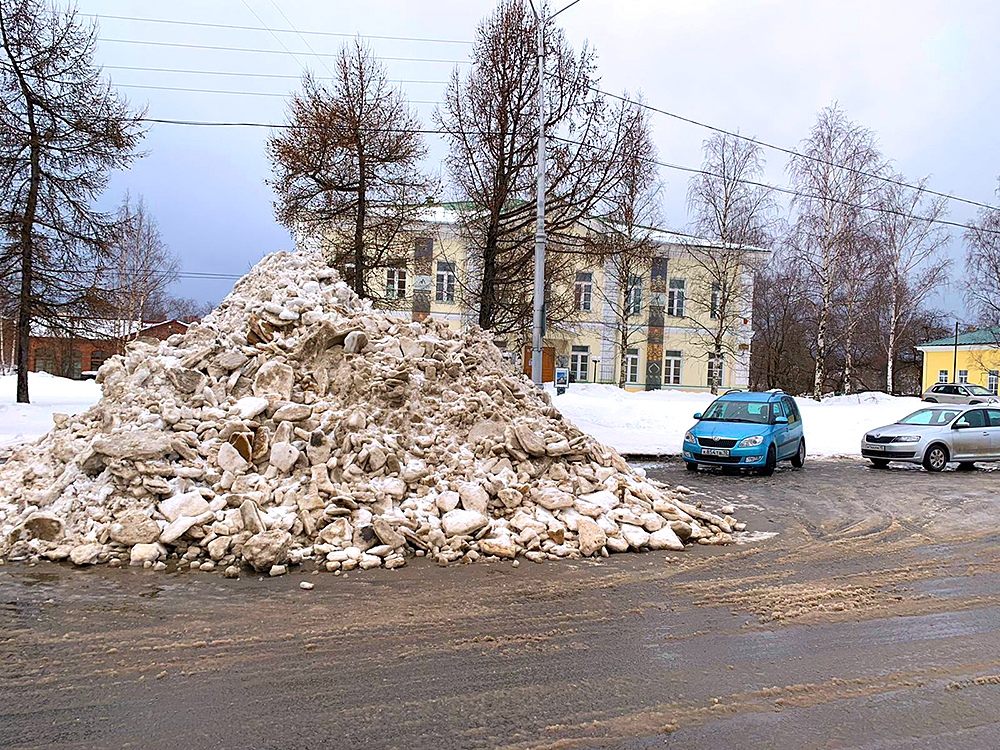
x,y
975,359
670,309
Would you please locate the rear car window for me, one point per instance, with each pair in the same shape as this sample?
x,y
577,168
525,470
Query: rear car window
x,y
993,415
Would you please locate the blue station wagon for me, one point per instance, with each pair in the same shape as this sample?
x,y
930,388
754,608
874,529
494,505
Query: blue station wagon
x,y
747,430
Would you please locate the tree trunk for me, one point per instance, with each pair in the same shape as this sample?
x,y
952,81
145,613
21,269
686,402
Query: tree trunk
x,y
623,341
487,285
848,354
891,353
359,227
27,225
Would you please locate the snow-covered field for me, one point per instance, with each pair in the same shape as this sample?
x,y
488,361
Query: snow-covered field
x,y
652,422
49,394
655,421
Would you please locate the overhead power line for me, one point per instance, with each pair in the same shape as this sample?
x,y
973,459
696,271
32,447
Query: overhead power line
x,y
788,151
270,51
242,74
340,34
228,91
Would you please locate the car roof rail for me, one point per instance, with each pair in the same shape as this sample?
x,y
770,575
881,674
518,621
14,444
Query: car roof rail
x,y
733,390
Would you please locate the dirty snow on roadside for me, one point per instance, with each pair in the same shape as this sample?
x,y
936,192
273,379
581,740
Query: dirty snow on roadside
x,y
654,422
49,395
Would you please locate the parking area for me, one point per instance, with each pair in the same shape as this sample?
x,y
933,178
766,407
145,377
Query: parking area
x,y
863,605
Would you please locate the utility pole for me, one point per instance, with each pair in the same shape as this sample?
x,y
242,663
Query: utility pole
x,y
538,324
954,366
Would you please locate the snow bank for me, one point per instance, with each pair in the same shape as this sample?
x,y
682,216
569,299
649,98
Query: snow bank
x,y
654,422
49,394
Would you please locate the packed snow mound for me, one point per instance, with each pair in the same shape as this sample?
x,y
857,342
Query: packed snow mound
x,y
296,423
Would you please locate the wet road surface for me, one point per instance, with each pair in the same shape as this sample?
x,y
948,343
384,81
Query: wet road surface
x,y
870,619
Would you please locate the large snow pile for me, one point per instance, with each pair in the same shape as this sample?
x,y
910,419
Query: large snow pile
x,y
296,423
654,422
49,394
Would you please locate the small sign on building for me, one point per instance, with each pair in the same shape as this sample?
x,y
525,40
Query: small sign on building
x,y
562,380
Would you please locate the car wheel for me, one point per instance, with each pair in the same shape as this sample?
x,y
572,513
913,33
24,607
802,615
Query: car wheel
x,y
691,466
879,463
772,460
936,458
800,456
931,400
966,466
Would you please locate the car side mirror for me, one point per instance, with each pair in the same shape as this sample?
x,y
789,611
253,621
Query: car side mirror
x,y
697,415
781,420
958,426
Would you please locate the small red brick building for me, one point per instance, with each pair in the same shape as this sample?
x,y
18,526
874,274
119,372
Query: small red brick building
x,y
78,356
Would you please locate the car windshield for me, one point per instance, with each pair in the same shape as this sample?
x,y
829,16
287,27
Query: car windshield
x,y
931,416
755,412
978,390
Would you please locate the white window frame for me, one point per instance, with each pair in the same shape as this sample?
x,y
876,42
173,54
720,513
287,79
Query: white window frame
x,y
673,364
942,376
632,366
963,377
579,361
676,291
444,286
716,301
993,381
634,306
584,292
720,376
395,283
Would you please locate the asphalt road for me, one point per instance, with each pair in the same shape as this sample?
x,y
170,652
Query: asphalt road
x,y
868,620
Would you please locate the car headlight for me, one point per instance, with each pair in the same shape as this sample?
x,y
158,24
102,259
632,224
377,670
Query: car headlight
x,y
907,439
751,442
688,437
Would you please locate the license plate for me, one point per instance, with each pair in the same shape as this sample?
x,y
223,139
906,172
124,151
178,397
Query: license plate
x,y
715,451
876,447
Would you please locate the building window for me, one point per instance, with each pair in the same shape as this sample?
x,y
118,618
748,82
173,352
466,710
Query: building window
x,y
716,301
45,361
634,306
73,366
716,366
632,365
993,381
584,291
671,368
444,290
942,376
963,376
579,364
97,358
675,298
395,283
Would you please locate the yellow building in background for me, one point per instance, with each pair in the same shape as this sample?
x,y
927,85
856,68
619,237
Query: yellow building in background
x,y
975,360
667,346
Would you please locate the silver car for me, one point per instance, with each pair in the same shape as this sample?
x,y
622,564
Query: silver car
x,y
936,435
959,393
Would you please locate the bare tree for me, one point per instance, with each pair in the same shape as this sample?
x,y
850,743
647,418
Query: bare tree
x,y
140,267
736,217
835,176
909,259
623,240
490,116
346,171
982,268
62,130
162,307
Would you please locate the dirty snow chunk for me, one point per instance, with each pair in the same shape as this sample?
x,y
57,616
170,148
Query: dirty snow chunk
x,y
85,554
269,548
134,527
177,528
458,522
187,504
553,498
665,538
142,553
634,535
501,546
249,407
44,526
134,445
230,459
592,537
274,379
473,497
284,456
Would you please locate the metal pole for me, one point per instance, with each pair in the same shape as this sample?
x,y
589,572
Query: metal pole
x,y
954,367
538,326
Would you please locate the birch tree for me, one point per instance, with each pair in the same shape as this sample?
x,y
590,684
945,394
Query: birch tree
x,y
346,170
835,176
732,217
982,268
63,129
910,258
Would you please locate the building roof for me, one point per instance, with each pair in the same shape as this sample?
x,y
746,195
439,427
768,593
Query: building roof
x,y
984,336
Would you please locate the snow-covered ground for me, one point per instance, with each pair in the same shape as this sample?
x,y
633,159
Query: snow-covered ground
x,y
655,421
49,394
652,422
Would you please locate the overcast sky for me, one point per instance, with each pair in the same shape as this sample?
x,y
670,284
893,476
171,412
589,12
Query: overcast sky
x,y
921,74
